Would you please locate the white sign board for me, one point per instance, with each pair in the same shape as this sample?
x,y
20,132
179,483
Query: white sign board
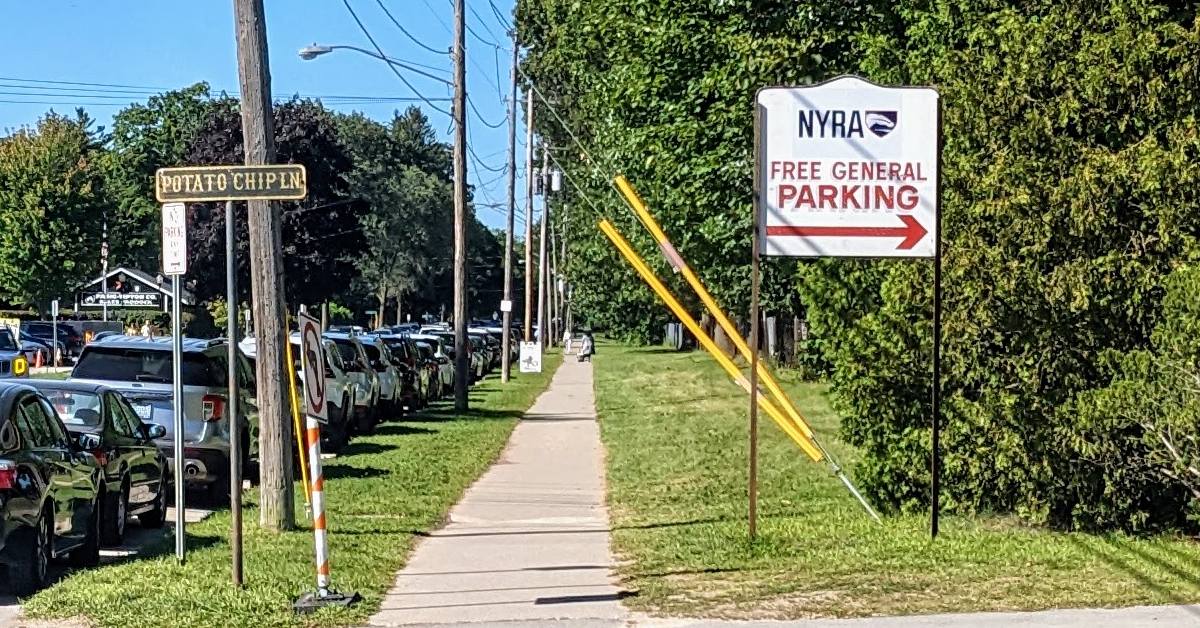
x,y
54,308
848,168
531,357
312,358
505,305
174,238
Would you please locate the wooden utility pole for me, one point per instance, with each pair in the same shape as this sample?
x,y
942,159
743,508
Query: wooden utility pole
x,y
462,364
541,297
506,349
552,288
528,213
276,510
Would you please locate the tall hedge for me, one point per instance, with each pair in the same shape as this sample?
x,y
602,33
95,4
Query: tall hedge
x,y
1070,203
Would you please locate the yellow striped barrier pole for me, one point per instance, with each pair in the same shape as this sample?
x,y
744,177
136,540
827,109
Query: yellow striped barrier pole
x,y
295,399
707,342
639,207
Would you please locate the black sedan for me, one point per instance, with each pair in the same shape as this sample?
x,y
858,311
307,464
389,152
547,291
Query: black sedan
x,y
50,490
135,470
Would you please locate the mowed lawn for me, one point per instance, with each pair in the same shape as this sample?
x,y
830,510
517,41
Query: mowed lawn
x,y
382,493
675,429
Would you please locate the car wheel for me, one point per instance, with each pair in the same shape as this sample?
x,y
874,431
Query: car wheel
x,y
157,514
27,569
88,554
116,514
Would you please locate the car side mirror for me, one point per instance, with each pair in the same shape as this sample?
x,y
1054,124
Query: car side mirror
x,y
154,430
87,442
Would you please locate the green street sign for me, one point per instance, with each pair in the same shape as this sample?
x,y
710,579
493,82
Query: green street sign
x,y
281,182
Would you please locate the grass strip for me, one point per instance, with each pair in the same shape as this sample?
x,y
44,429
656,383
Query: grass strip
x,y
382,493
676,431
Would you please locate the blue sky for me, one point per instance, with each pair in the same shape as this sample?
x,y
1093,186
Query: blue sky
x,y
174,43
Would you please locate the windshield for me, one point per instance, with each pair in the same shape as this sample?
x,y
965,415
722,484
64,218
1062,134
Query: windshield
x,y
76,408
372,352
346,351
7,343
112,364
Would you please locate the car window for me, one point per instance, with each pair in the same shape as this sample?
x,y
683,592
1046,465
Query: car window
x,y
10,439
33,436
133,424
115,417
346,350
7,342
333,359
76,408
246,375
115,364
373,353
57,429
37,429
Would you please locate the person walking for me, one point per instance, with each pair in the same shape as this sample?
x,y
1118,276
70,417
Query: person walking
x,y
567,342
588,348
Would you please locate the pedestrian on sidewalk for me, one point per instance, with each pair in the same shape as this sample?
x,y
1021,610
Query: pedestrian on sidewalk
x,y
588,348
567,342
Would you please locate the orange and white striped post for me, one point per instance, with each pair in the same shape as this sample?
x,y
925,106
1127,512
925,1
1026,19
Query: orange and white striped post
x,y
312,360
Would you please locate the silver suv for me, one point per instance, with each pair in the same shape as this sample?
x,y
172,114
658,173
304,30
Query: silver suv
x,y
141,368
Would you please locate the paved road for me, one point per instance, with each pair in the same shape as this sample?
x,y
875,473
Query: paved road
x,y
137,539
529,541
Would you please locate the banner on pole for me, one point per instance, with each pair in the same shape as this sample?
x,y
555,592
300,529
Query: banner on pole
x,y
848,168
531,357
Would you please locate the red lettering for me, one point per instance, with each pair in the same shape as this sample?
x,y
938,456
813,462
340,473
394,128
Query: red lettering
x,y
884,197
908,197
893,171
849,197
805,198
828,194
786,193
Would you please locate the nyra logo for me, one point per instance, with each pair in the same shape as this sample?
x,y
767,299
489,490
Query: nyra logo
x,y
846,124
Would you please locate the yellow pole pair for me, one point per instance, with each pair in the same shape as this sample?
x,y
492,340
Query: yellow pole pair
x,y
789,427
291,371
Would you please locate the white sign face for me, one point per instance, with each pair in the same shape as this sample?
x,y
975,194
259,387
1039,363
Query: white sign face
x,y
313,358
54,308
531,357
174,238
505,305
848,169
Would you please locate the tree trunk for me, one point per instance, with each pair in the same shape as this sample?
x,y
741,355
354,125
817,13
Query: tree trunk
x,y
276,508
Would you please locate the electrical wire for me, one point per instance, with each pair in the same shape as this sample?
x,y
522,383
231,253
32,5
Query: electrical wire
x,y
402,78
483,166
482,23
408,34
500,16
478,116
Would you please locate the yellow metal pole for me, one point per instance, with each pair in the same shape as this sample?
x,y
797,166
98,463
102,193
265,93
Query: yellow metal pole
x,y
287,343
639,207
789,427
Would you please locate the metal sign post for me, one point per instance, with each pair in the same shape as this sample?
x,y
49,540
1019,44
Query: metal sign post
x,y
312,362
275,182
848,168
174,250
54,332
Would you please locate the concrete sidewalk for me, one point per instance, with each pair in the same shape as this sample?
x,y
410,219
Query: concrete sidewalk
x,y
529,541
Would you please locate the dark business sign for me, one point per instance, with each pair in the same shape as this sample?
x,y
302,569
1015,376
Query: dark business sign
x,y
122,300
231,183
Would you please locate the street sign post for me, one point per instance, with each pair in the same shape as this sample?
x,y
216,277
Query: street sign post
x,y
54,354
174,251
173,187
848,168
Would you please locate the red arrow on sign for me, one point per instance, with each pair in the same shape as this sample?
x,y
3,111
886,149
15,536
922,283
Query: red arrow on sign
x,y
912,232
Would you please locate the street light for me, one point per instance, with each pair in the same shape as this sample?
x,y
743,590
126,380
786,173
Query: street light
x,y
308,53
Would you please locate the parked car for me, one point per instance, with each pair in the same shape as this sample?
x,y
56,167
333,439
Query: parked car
x,y
38,349
428,362
71,341
366,381
339,393
13,361
388,369
51,489
414,385
141,369
445,367
135,470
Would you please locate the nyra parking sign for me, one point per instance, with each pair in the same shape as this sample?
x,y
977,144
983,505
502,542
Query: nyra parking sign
x,y
848,168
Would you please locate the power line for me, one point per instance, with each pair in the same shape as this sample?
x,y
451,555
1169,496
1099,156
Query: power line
x,y
479,116
410,35
499,16
483,166
389,63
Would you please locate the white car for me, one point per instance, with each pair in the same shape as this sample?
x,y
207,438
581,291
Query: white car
x,y
381,360
366,380
445,365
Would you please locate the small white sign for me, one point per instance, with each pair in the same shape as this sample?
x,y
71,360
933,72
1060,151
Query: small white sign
x,y
54,308
506,306
848,168
312,358
174,238
531,357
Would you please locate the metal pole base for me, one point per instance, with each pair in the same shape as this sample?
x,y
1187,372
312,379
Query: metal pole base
x,y
311,602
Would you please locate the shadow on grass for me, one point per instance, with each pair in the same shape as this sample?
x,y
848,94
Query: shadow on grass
x,y
402,430
676,524
361,448
1108,553
1191,578
448,414
342,471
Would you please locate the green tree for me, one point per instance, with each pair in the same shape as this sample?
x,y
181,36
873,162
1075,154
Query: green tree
x,y
51,195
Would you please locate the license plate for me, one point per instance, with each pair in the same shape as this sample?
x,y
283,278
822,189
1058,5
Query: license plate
x,y
143,411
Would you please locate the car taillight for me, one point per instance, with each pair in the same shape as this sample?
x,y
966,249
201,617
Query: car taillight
x,y
214,407
8,474
101,457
